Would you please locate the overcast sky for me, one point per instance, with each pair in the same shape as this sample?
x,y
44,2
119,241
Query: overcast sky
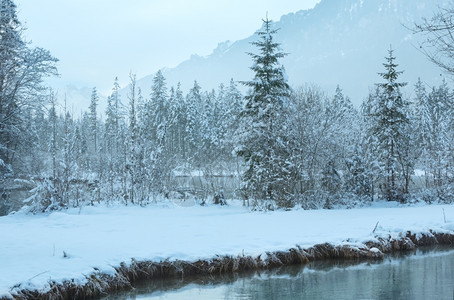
x,y
97,40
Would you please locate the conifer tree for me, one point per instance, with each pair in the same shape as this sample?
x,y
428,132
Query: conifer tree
x,y
231,106
194,111
176,125
159,101
390,127
157,156
111,141
263,143
438,134
421,121
132,161
94,118
68,155
54,134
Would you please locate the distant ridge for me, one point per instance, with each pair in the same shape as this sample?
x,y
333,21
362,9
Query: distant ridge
x,y
337,42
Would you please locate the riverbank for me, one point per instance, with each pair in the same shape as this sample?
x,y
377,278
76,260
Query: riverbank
x,y
94,250
421,274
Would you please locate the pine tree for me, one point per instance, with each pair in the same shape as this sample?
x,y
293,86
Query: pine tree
x,y
438,134
33,161
68,156
132,157
94,145
221,120
210,149
49,191
85,135
193,135
181,121
231,105
390,127
111,138
94,117
172,140
263,144
116,101
421,121
159,100
54,134
158,156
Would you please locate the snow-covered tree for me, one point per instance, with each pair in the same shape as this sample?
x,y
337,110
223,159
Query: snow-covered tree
x,y
194,112
438,148
433,139
338,140
438,33
421,121
390,123
94,118
177,127
68,155
53,148
113,141
22,70
262,136
323,138
132,162
48,191
231,104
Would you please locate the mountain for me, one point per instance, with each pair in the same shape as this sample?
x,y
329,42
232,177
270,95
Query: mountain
x,y
337,42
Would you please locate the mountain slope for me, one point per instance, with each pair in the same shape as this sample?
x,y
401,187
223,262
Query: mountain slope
x,y
337,42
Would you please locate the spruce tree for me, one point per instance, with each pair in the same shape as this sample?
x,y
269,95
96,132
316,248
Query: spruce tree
x,y
438,131
112,139
232,104
159,102
68,155
179,122
390,127
158,168
262,136
421,121
132,143
194,112
94,117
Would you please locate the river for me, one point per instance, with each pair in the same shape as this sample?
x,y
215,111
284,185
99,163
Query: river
x,y
424,274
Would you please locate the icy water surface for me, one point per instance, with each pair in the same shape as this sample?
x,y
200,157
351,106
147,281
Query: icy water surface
x,y
426,274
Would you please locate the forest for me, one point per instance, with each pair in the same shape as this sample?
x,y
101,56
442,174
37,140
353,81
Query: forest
x,y
275,146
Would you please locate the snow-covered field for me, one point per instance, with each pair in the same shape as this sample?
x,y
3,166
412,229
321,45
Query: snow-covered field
x,y
35,249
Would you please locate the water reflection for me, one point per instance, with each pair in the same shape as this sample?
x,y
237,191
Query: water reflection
x,y
426,274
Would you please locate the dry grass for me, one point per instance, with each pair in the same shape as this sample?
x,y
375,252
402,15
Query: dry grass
x,y
99,284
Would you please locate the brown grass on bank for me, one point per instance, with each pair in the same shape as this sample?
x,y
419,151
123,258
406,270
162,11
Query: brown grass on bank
x,y
126,276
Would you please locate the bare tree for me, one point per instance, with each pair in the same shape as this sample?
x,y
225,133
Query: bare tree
x,y
22,70
438,42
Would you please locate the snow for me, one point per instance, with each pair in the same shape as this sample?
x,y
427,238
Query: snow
x,y
32,246
374,250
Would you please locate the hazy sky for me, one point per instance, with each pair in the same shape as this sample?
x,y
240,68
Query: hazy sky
x,y
97,40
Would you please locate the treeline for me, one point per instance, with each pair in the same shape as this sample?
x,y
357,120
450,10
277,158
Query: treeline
x,y
139,151
276,146
137,154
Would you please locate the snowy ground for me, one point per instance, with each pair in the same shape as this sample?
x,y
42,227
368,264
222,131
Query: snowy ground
x,y
32,247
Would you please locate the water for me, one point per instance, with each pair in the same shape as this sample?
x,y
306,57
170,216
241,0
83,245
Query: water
x,y
427,274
